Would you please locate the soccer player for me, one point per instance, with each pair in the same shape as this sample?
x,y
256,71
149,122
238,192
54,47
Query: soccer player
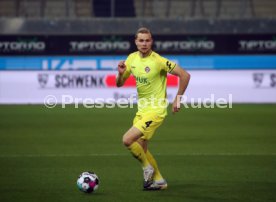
x,y
150,71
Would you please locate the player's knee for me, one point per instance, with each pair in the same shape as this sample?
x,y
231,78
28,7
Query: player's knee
x,y
127,141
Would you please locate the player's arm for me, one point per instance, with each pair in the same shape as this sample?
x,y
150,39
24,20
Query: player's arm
x,y
120,80
184,78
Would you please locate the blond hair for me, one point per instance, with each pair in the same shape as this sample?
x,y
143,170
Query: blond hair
x,y
142,30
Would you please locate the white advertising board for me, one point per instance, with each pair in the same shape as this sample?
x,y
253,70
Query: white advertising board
x,y
33,87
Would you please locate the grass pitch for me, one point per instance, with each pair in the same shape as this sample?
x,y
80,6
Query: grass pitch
x,y
205,154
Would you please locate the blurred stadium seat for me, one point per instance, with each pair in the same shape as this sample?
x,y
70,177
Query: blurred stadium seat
x,y
113,8
265,8
174,9
83,8
8,8
143,8
235,9
30,8
105,16
57,8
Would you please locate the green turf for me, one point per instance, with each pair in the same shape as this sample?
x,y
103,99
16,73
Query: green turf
x,y
205,154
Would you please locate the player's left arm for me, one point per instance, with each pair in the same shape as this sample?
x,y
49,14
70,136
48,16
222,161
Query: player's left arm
x,y
184,78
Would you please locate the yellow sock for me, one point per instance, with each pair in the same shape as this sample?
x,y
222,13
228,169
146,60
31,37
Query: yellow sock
x,y
138,152
157,175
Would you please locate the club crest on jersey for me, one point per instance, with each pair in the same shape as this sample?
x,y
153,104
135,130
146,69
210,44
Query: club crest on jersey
x,y
147,69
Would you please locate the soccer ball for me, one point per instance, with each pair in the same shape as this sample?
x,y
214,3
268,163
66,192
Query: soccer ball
x,y
88,182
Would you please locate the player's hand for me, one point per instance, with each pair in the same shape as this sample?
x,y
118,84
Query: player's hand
x,y
175,106
121,67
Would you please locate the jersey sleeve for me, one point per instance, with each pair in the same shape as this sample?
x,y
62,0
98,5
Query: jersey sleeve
x,y
166,64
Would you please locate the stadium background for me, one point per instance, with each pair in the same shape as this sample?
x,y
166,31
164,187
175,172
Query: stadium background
x,y
72,47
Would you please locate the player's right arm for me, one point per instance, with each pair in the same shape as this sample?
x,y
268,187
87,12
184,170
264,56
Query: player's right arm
x,y
120,79
124,71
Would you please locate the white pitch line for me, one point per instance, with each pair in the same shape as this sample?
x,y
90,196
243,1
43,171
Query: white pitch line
x,y
127,154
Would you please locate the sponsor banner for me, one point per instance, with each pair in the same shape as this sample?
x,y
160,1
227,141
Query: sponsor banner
x,y
111,62
23,45
124,44
86,80
17,87
243,86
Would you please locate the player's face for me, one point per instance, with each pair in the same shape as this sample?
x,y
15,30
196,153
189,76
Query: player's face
x,y
144,43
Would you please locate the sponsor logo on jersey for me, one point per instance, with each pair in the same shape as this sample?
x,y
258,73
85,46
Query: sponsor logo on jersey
x,y
142,80
147,69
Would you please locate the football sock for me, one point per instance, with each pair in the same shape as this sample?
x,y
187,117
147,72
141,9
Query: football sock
x,y
157,175
138,152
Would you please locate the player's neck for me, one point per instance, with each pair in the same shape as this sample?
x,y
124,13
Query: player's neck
x,y
143,55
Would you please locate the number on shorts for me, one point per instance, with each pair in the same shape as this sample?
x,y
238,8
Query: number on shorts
x,y
148,123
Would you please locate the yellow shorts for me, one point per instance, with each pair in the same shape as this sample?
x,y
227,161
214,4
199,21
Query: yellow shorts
x,y
147,124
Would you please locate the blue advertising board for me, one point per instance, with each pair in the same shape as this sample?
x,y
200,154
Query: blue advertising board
x,y
196,62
